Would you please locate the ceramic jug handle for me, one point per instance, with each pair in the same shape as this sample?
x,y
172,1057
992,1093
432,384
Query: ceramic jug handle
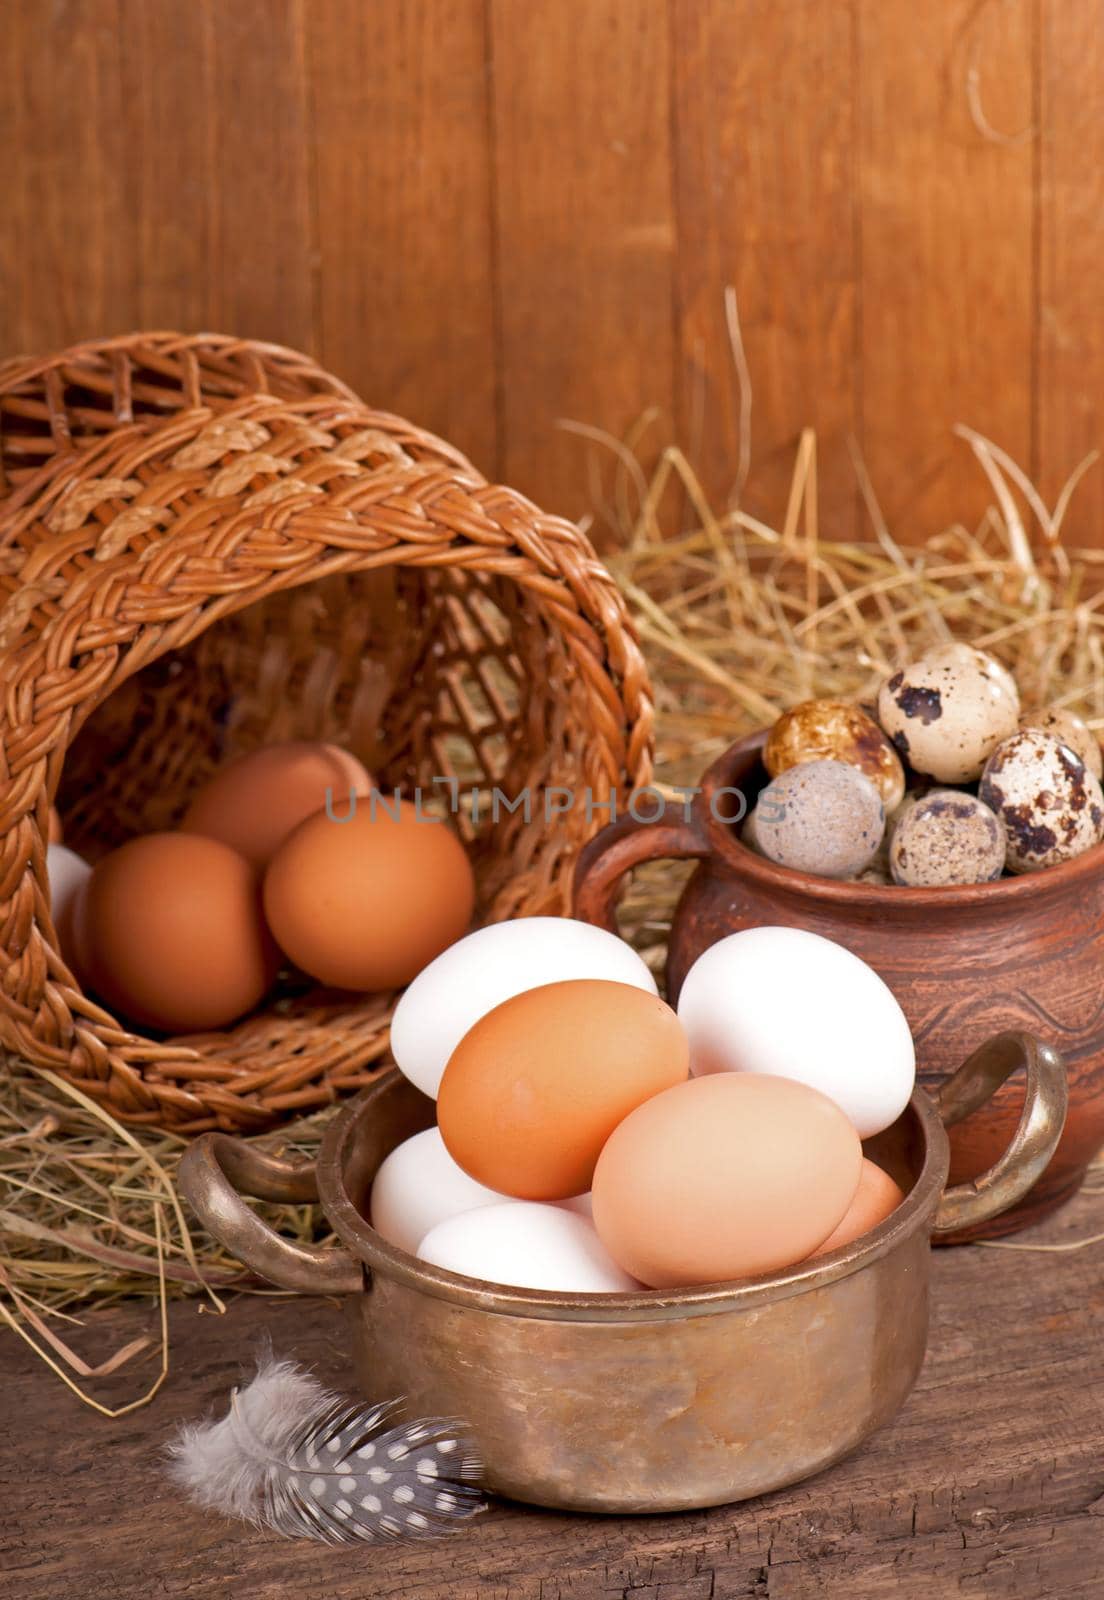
x,y
1033,1142
622,845
217,1170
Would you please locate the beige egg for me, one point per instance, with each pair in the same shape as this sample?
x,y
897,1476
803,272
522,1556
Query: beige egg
x,y
876,1198
824,817
946,837
948,711
749,833
1050,804
968,655
876,875
835,730
1070,729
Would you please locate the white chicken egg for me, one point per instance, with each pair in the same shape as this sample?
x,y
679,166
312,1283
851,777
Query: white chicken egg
x,y
795,1005
68,873
420,1185
526,1245
479,972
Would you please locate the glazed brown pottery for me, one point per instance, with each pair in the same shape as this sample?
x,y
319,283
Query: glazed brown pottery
x,y
656,1400
965,962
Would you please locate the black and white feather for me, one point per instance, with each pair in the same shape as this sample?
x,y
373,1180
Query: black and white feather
x,y
292,1456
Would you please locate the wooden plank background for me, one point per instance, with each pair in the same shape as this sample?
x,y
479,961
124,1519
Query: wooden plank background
x,y
494,215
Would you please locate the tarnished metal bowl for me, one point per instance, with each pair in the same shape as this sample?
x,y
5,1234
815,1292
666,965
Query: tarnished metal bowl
x,y
653,1401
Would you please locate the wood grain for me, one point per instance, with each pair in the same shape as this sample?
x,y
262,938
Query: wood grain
x,y
765,154
990,1482
402,161
946,257
493,214
67,259
585,231
217,166
1071,240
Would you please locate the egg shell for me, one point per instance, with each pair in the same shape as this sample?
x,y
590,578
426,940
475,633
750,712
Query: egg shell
x,y
948,711
749,833
1069,729
836,730
876,1198
489,966
969,655
947,838
532,1092
876,875
823,817
1051,806
172,933
525,1245
367,902
254,802
792,1004
724,1177
68,874
419,1185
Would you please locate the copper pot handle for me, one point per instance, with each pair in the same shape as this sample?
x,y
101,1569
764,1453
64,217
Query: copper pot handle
x,y
217,1170
1033,1142
619,847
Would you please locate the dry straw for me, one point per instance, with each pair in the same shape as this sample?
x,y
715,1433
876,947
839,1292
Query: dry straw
x,y
739,620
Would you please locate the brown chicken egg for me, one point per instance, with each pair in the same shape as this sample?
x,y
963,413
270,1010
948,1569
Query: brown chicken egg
x,y
255,801
876,1198
723,1177
367,902
533,1091
169,929
835,730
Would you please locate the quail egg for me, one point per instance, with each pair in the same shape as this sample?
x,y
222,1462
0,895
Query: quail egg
x,y
749,832
875,874
824,817
1070,729
834,730
946,837
1051,806
948,711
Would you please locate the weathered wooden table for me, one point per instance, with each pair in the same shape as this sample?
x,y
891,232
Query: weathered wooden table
x,y
990,1483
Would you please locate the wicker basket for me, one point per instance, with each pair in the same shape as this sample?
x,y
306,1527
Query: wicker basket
x,y
206,545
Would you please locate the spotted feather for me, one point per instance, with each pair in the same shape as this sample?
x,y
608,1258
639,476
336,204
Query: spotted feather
x,y
292,1456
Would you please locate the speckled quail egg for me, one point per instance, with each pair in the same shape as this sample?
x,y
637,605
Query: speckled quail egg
x,y
749,832
824,817
1070,729
835,730
875,875
1051,806
948,711
968,654
946,837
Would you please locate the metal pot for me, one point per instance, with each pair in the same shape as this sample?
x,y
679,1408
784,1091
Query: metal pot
x,y
653,1401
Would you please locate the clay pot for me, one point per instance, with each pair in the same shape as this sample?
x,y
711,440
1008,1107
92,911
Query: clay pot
x,y
1023,953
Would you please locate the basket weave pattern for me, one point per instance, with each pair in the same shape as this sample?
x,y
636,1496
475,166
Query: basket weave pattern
x,y
250,554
